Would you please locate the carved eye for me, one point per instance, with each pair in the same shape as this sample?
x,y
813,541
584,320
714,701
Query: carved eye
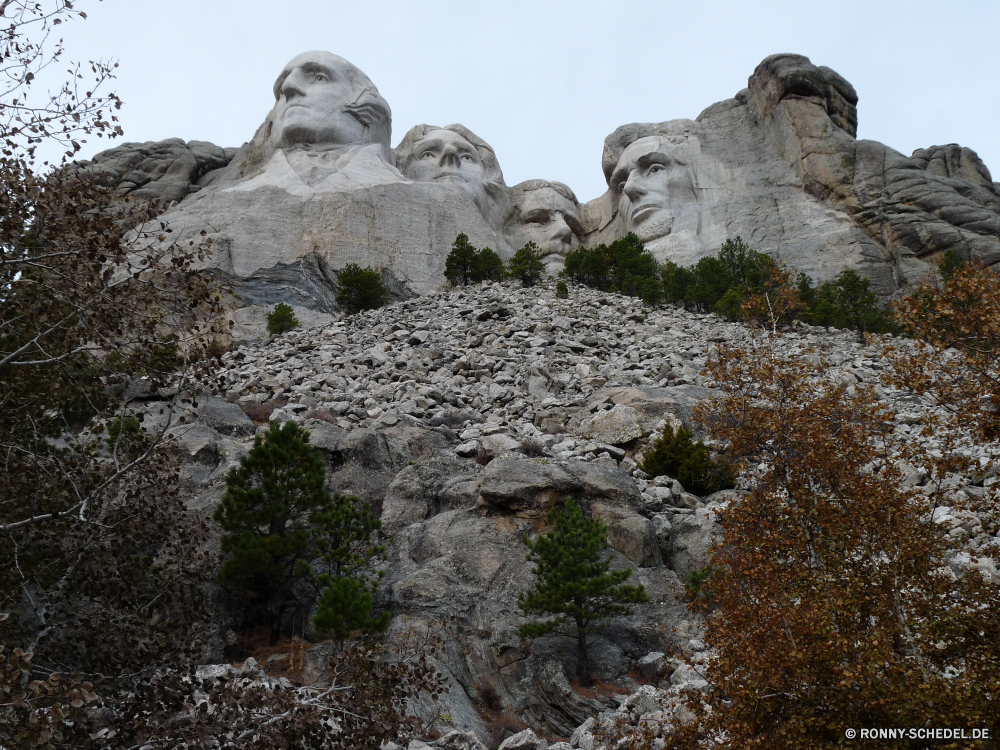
x,y
318,77
466,157
427,155
656,168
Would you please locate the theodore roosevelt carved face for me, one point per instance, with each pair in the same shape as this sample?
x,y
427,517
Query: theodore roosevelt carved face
x,y
654,185
546,213
322,99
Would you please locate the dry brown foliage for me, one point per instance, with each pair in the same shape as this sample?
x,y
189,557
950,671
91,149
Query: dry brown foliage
x,y
832,604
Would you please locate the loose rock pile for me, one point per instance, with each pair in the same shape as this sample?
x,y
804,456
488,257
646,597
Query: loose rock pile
x,y
463,416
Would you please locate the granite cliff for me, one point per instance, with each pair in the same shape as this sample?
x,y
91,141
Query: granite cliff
x,y
779,164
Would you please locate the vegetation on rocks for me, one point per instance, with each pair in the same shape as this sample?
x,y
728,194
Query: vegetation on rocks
x,y
574,584
288,541
361,289
624,266
281,319
677,456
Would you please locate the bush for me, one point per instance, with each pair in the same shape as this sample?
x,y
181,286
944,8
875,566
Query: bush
x,y
361,289
679,457
527,265
562,291
281,319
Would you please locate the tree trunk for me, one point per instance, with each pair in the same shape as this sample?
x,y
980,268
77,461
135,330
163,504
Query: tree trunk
x,y
583,668
276,624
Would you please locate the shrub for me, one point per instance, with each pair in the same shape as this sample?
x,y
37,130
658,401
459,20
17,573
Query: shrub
x,y
562,291
679,457
281,320
361,289
527,265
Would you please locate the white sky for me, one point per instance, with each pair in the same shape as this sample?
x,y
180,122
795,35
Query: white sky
x,y
544,81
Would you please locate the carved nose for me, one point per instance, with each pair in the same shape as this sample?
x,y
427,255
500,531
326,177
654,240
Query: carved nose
x,y
292,86
632,187
450,157
560,229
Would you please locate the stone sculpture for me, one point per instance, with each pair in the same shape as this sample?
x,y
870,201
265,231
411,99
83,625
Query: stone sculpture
x,y
329,129
454,155
548,214
316,188
779,164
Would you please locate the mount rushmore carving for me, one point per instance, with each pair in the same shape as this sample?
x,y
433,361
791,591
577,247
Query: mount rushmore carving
x,y
319,186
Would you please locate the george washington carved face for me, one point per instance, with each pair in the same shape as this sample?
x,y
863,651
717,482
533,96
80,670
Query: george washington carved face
x,y
323,99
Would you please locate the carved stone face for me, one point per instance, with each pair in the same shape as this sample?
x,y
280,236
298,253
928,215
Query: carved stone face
x,y
444,156
550,220
653,185
312,95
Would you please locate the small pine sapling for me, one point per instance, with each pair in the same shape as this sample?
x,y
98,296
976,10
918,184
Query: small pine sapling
x,y
281,319
677,456
574,583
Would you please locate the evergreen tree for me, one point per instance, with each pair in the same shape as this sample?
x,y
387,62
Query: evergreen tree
x,y
527,265
278,516
281,319
677,456
361,289
573,581
344,535
458,266
487,266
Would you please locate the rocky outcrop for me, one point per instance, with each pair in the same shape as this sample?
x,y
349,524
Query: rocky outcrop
x,y
403,403
159,172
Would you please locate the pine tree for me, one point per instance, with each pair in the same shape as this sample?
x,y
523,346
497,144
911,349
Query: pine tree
x,y
458,266
361,289
345,534
487,266
527,265
677,456
285,536
573,581
281,319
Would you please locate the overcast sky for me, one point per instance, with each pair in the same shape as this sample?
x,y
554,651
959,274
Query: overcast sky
x,y
545,81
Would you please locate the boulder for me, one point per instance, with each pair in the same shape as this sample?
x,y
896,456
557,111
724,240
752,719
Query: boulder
x,y
224,417
629,533
532,486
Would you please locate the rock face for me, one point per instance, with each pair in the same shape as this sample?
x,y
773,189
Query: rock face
x,y
318,187
779,165
432,411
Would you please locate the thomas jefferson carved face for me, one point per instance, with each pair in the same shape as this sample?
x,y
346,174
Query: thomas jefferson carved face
x,y
324,99
444,156
550,220
653,184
